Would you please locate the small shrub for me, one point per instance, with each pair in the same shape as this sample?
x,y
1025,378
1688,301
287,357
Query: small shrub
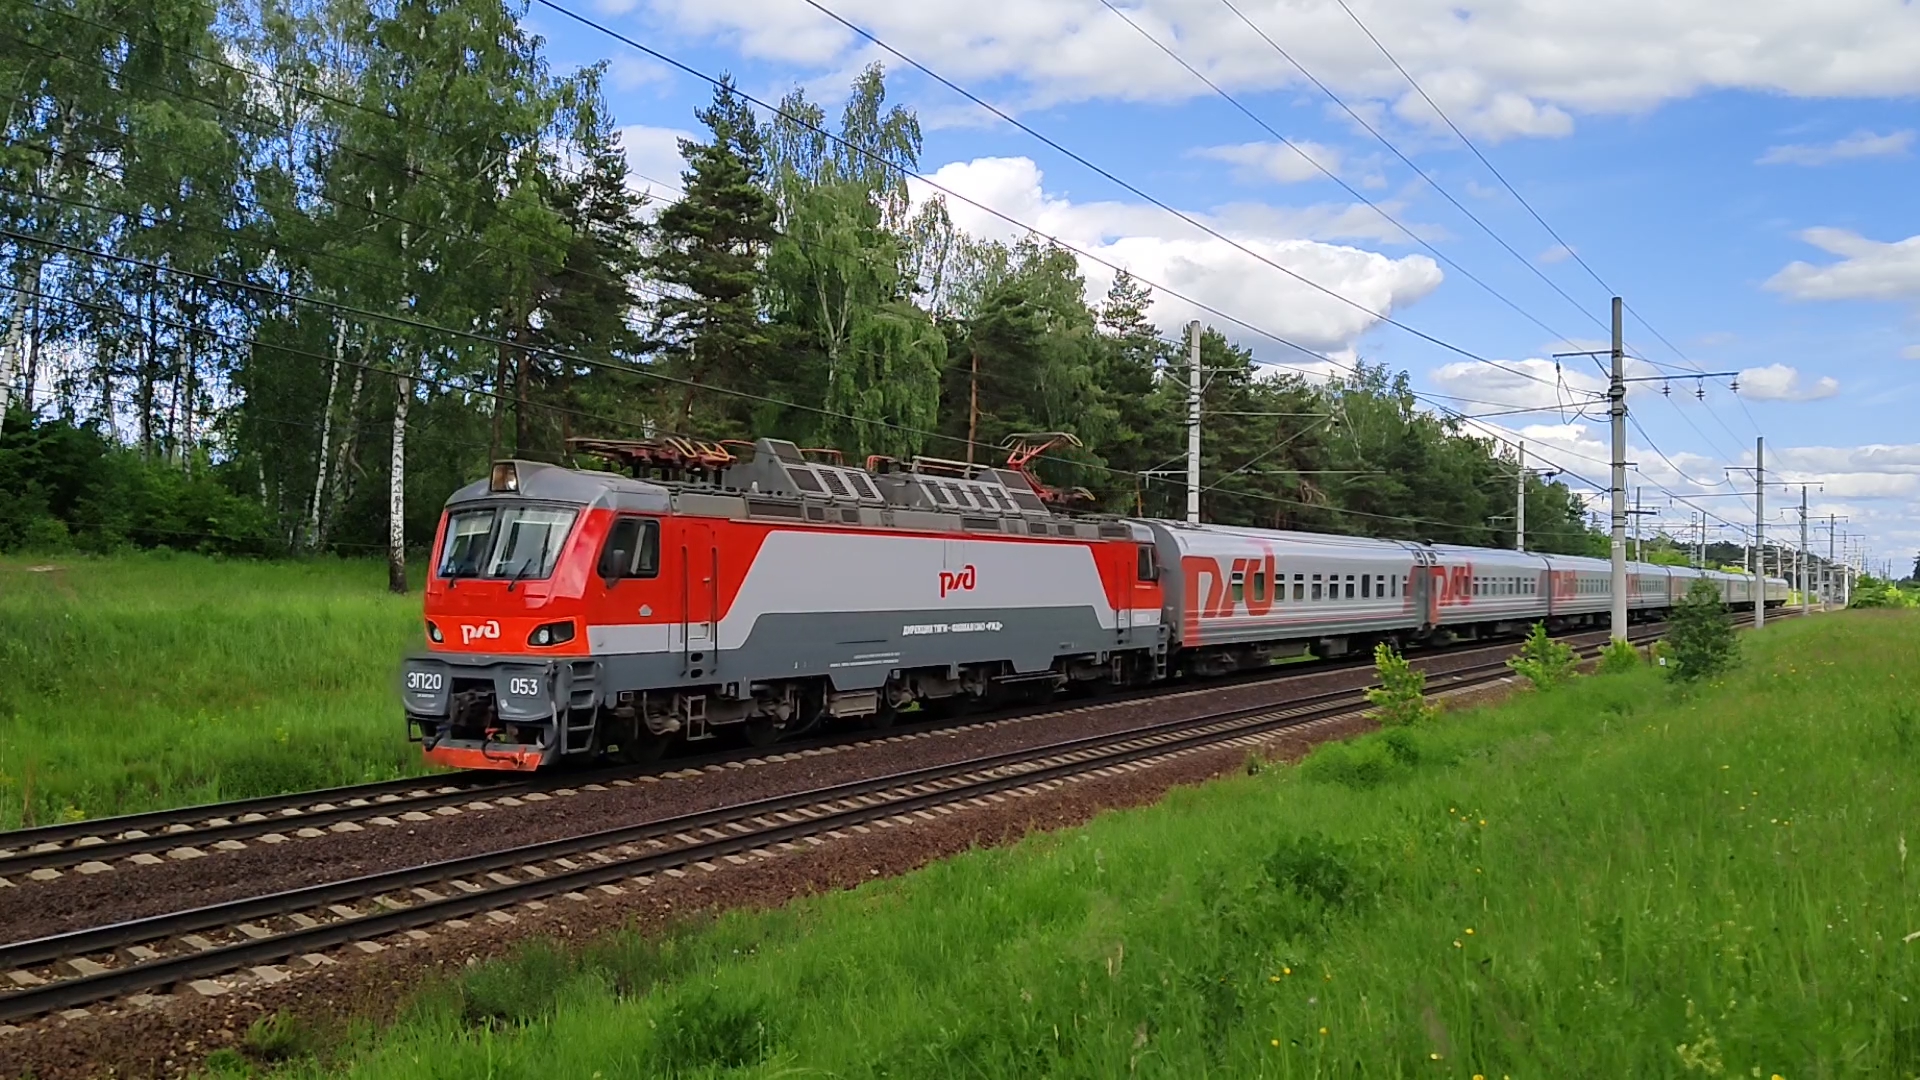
x,y
1319,870
1542,661
1400,699
1360,764
1402,746
227,1063
1699,638
708,1029
516,990
1618,658
277,1038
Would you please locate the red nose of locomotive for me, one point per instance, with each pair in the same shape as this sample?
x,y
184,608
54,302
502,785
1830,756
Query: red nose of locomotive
x,y
507,645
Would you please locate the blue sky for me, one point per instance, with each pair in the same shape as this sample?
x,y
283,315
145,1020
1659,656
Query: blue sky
x,y
1744,174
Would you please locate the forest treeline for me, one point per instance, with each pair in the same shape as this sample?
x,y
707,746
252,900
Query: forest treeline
x,y
279,277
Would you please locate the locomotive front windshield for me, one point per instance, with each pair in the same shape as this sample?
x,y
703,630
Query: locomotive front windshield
x,y
517,542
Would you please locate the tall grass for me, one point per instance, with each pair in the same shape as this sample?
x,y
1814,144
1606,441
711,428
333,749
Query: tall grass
x,y
1617,878
140,681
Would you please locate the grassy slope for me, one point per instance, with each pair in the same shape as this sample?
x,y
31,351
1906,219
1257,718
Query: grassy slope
x,y
153,680
1609,880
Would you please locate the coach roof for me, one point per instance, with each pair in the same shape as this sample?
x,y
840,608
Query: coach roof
x,y
554,483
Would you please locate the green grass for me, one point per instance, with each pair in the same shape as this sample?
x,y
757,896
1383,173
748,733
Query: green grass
x,y
1618,878
143,681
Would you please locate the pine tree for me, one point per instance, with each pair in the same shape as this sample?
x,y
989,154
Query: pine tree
x,y
708,251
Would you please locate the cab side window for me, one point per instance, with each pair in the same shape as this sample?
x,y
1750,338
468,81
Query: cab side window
x,y
632,549
1146,567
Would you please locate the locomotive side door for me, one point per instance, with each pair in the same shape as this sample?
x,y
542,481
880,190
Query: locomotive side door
x,y
700,599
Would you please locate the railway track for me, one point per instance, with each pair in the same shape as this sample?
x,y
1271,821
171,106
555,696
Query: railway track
x,y
47,852
258,935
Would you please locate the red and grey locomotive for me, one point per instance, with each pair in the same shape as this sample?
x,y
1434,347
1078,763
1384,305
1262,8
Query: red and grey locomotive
x,y
573,615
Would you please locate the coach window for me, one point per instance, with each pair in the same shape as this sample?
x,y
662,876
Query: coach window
x,y
1366,586
1316,586
1349,586
632,550
1145,566
1299,586
1259,586
1239,586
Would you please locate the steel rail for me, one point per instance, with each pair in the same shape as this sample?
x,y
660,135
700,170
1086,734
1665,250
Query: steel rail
x,y
781,818
23,851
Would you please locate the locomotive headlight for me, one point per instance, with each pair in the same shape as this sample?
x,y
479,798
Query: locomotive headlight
x,y
553,633
433,633
505,477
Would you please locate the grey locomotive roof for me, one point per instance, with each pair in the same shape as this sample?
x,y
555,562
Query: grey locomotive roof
x,y
553,483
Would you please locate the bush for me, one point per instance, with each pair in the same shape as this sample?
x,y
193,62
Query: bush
x,y
708,1029
1542,661
279,1037
1618,658
1699,638
1401,697
71,485
1319,870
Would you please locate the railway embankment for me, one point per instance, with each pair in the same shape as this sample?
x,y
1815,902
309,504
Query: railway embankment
x,y
1607,908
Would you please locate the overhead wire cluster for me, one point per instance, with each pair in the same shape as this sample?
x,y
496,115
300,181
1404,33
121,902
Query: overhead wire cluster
x,y
1559,384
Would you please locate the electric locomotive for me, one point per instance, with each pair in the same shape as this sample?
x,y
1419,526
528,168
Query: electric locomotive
x,y
758,588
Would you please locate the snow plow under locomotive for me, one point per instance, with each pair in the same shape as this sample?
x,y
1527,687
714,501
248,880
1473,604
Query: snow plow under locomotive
x,y
574,615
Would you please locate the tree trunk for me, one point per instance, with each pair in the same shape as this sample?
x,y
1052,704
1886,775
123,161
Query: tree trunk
x,y
326,438
186,401
149,362
499,404
33,346
349,445
397,492
6,376
522,391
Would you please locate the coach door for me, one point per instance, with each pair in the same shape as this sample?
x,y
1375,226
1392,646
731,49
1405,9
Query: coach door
x,y
1427,584
700,593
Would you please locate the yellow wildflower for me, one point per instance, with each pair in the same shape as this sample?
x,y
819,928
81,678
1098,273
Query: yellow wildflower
x,y
1276,1042
1469,931
1286,971
1273,978
1456,943
1323,1031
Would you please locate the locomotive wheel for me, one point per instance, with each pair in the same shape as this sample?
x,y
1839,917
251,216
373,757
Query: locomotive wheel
x,y
642,749
760,732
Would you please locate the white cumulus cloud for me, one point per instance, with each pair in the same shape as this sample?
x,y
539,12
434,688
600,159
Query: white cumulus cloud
x,y
1160,248
1287,164
653,156
1866,269
1780,382
1860,144
1498,67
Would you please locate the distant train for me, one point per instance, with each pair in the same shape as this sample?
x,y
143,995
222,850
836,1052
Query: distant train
x,y
574,615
